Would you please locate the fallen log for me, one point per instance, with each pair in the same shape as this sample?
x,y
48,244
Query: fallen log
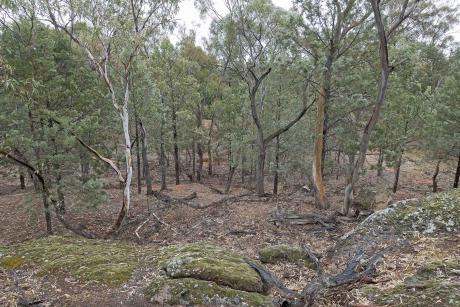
x,y
355,271
306,219
168,200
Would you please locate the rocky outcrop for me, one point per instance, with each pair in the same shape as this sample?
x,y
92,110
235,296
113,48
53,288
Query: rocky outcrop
x,y
388,228
85,260
285,253
203,274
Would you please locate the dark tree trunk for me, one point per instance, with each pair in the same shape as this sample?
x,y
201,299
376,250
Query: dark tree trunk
x,y
209,158
380,163
243,163
277,161
385,70
46,206
200,162
145,159
163,162
22,181
397,171
457,174
435,177
228,184
84,167
325,131
176,148
138,154
210,148
260,165
193,161
338,164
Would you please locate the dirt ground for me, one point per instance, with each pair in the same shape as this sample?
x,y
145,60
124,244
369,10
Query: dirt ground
x,y
241,224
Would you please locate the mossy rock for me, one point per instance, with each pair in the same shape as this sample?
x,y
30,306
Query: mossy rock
x,y
432,285
372,197
436,213
86,260
190,291
211,263
280,253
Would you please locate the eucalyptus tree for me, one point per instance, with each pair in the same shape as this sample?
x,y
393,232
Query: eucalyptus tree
x,y
385,27
246,43
116,33
325,31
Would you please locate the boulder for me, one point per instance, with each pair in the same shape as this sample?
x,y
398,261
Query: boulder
x,y
210,263
373,197
430,215
280,253
190,291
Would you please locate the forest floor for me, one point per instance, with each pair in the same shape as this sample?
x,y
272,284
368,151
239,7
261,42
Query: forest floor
x,y
241,224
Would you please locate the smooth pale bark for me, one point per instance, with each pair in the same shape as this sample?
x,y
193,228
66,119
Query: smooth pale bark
x,y
128,163
457,174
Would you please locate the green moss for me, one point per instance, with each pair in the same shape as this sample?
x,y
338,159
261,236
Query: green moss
x,y
11,262
429,286
211,263
186,291
86,260
278,253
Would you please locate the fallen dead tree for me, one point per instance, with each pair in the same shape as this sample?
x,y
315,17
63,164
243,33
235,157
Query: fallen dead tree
x,y
169,200
357,269
304,219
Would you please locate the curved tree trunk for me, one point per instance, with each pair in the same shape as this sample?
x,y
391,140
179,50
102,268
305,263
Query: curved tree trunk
x,y
435,176
385,71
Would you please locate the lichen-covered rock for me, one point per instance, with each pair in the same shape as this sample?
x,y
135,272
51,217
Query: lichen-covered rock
x,y
279,253
211,263
372,197
435,284
86,260
388,228
190,291
438,212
